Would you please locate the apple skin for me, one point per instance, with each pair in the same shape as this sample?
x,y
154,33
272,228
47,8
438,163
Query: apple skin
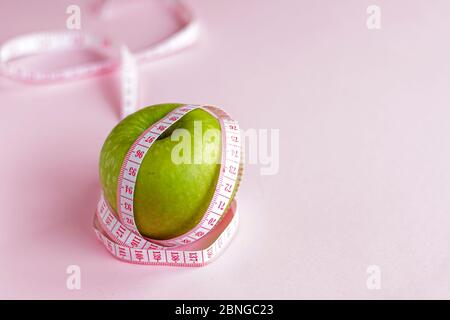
x,y
170,199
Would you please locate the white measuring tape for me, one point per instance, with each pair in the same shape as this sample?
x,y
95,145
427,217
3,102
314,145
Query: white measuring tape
x,y
121,236
118,231
117,55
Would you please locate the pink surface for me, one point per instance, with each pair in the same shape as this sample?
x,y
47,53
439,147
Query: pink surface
x,y
364,173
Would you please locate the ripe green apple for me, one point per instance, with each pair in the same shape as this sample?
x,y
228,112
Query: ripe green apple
x,y
170,199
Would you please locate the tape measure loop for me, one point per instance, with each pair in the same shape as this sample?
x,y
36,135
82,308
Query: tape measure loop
x,y
121,235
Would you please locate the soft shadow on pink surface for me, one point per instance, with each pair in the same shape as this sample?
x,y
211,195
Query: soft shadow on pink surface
x,y
364,125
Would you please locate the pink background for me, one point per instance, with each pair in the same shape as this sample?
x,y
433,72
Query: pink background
x,y
364,173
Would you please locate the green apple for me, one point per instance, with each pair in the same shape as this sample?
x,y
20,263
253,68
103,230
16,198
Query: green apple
x,y
170,199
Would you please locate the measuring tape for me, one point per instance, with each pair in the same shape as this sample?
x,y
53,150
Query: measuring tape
x,y
116,55
118,231
120,234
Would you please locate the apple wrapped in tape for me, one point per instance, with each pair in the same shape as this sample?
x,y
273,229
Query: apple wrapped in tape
x,y
178,175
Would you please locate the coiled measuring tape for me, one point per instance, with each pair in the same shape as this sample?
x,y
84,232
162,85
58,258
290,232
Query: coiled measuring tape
x,y
120,234
118,231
